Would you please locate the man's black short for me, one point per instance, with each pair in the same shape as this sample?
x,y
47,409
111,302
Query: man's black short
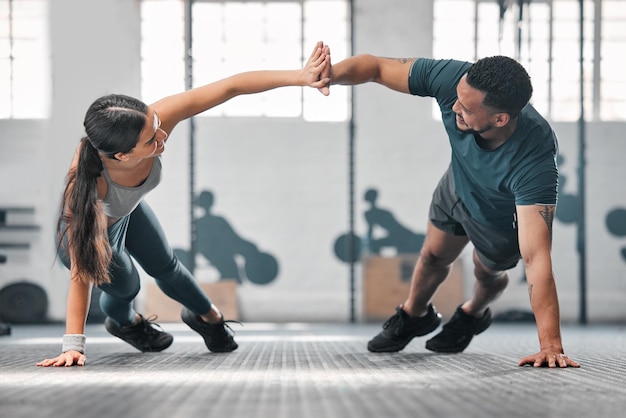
x,y
497,249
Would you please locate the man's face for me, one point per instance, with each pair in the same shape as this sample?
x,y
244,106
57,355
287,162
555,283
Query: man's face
x,y
471,115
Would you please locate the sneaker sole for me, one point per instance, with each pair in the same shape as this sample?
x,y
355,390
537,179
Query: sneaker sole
x,y
398,347
457,349
151,350
191,323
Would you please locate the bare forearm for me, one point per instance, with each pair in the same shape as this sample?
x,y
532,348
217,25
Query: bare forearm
x,y
259,81
181,106
78,299
545,305
392,73
355,70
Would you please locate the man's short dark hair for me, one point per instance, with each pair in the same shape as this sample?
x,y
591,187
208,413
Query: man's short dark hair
x,y
504,81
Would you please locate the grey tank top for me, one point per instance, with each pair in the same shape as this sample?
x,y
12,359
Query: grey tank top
x,y
121,200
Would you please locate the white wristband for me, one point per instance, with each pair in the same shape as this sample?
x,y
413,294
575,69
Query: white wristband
x,y
74,342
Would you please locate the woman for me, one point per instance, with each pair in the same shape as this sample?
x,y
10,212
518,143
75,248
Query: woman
x,y
105,221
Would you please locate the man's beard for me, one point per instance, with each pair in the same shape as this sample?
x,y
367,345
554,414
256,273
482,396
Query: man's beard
x,y
488,127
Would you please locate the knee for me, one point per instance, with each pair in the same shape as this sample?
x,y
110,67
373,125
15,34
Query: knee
x,y
489,277
167,270
495,279
125,290
64,257
161,266
434,261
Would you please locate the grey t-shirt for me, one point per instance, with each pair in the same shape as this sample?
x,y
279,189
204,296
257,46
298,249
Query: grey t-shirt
x,y
121,200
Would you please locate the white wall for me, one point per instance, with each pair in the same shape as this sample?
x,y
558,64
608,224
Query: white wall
x,y
283,183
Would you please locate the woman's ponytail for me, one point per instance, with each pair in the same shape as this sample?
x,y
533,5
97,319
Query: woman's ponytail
x,y
83,219
113,124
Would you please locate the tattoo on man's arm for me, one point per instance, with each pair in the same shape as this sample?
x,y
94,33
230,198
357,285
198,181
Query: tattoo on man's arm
x,y
547,213
403,60
530,291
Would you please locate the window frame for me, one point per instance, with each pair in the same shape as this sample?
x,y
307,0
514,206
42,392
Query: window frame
x,y
312,105
24,60
595,105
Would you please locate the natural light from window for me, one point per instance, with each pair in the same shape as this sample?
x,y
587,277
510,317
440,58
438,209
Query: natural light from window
x,y
545,37
24,63
231,37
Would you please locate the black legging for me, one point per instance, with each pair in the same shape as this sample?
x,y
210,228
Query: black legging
x,y
140,236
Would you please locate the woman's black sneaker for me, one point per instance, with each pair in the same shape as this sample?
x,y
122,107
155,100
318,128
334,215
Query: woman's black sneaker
x,y
146,336
400,329
458,332
217,337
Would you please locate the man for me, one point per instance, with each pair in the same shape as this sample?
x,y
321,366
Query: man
x,y
499,193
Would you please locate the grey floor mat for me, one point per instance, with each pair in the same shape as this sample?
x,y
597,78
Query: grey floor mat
x,y
313,370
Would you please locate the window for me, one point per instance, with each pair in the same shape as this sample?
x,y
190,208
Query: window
x,y
234,36
24,79
544,35
612,69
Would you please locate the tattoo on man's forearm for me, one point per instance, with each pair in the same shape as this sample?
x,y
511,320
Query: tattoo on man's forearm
x,y
403,60
547,213
530,292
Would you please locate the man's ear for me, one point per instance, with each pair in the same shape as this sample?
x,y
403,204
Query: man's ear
x,y
502,119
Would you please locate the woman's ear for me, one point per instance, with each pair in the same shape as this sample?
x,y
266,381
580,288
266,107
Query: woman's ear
x,y
121,156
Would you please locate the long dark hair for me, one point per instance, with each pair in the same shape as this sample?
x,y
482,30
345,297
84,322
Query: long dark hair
x,y
113,124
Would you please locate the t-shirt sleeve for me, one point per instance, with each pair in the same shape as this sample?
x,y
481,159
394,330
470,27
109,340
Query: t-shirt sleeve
x,y
436,78
539,186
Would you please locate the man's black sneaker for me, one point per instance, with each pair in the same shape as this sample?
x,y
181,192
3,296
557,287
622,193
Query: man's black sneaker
x,y
458,332
146,336
217,337
400,329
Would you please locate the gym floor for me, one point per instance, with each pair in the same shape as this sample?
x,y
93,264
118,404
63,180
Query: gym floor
x,y
313,370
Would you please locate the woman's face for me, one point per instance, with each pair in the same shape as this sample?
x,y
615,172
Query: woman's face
x,y
152,138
